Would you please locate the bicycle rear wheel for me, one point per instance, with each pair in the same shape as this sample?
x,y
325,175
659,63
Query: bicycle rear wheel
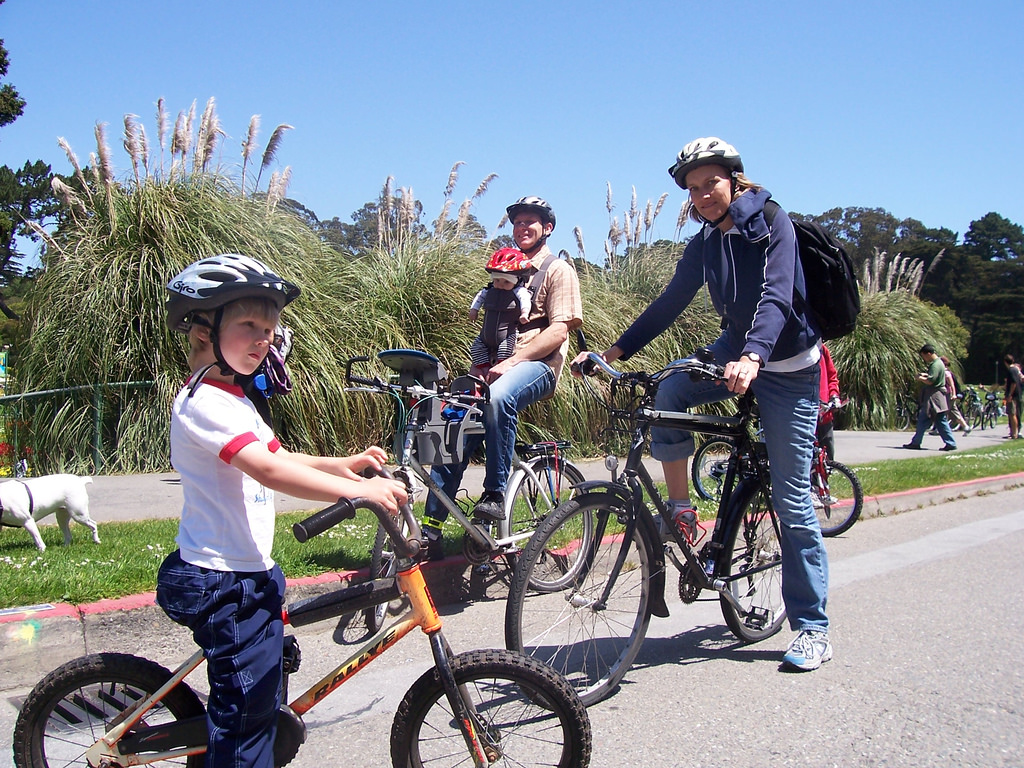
x,y
530,501
708,468
752,566
526,713
839,504
589,617
73,706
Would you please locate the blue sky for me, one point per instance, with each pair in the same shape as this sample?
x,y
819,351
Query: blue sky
x,y
909,106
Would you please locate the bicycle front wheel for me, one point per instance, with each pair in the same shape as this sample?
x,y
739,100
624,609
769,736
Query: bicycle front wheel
x,y
383,564
579,599
708,468
752,566
531,500
524,713
73,706
838,505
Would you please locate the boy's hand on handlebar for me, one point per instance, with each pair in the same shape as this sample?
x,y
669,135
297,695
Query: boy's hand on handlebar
x,y
740,374
372,458
390,494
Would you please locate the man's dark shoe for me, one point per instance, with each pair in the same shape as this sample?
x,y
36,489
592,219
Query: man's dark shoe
x,y
948,448
491,506
435,543
913,447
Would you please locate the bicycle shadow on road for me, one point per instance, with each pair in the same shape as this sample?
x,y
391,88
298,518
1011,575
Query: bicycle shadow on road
x,y
700,644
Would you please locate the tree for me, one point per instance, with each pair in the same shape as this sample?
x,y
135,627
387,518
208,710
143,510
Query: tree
x,y
11,104
994,238
25,195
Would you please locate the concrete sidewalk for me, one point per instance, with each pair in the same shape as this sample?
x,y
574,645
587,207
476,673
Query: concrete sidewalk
x,y
137,497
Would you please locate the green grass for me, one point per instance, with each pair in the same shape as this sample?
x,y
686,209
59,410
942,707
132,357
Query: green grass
x,y
126,562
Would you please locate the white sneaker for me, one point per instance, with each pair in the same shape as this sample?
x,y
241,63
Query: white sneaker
x,y
809,650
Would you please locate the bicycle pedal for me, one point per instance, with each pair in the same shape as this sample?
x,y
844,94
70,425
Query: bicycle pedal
x,y
291,655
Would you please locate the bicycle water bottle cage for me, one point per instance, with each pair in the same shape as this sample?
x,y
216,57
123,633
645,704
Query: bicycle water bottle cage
x,y
414,366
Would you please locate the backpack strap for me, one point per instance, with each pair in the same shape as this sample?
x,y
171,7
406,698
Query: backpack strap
x,y
771,208
534,289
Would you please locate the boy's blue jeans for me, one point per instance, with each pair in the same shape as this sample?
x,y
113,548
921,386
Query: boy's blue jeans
x,y
525,384
788,406
236,619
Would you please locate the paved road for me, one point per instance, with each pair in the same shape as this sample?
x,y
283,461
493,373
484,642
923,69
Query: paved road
x,y
926,673
131,497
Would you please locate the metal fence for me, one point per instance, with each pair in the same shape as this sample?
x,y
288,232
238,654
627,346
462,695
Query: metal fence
x,y
92,419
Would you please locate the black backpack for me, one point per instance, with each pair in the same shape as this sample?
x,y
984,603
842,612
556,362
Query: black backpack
x,y
833,298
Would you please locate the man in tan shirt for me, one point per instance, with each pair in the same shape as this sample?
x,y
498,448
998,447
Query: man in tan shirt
x,y
528,376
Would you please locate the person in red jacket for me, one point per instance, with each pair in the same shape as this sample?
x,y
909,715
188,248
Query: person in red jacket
x,y
828,392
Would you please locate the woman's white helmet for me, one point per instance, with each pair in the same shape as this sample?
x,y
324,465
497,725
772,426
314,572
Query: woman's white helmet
x,y
705,151
218,280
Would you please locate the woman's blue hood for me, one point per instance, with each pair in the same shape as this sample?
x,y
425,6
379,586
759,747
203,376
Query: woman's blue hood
x,y
747,213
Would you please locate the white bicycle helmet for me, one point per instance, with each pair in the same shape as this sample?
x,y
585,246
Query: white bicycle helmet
x,y
531,203
211,283
705,151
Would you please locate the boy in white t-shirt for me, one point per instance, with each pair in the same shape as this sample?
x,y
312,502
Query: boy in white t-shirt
x,y
222,582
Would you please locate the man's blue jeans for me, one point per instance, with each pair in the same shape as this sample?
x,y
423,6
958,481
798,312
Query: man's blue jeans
x,y
941,422
788,405
525,384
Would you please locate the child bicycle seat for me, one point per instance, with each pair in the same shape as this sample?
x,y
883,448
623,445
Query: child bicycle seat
x,y
414,366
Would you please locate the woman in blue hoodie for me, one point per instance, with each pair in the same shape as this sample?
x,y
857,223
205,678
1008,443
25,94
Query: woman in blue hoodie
x,y
753,273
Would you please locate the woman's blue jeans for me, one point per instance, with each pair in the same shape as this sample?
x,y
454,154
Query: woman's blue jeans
x,y
525,384
788,405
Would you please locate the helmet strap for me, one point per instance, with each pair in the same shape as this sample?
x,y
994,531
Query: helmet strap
x,y
214,328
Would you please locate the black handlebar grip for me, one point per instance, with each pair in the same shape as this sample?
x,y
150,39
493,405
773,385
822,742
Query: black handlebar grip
x,y
323,520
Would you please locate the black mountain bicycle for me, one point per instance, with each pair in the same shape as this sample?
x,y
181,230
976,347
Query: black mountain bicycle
x,y
593,574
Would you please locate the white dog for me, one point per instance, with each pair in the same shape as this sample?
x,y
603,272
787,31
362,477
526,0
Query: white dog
x,y
24,502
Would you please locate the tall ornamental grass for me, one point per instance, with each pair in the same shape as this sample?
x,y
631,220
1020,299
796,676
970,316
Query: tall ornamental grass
x,y
95,315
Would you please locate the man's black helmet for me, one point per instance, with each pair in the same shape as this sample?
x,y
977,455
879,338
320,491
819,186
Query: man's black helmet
x,y
531,203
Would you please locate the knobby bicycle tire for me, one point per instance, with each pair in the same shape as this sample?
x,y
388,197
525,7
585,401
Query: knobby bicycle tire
x,y
529,712
840,508
73,706
530,503
574,552
752,559
707,470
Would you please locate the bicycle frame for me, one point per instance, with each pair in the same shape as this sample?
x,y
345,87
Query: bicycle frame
x,y
635,480
189,737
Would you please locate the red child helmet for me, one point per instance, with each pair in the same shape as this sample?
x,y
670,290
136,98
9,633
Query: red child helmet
x,y
508,260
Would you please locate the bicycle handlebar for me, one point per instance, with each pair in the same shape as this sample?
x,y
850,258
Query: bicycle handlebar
x,y
698,368
417,391
345,509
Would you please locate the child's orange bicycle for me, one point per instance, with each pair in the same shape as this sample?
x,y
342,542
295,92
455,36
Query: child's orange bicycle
x,y
481,708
